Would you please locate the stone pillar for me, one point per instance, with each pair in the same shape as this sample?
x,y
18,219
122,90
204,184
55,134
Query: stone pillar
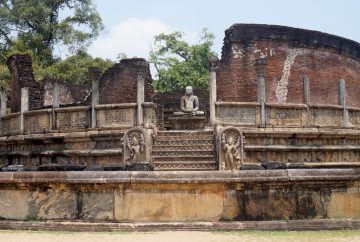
x,y
260,67
140,99
306,89
342,102
95,74
3,100
24,107
56,104
213,64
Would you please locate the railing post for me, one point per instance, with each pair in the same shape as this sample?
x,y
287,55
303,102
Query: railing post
x,y
342,102
306,89
213,64
56,104
260,67
24,107
3,100
95,74
140,99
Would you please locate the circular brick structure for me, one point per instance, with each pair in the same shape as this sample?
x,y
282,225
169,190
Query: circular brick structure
x,y
290,53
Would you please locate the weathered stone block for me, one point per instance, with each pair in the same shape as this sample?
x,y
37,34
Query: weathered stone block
x,y
345,204
169,205
52,204
97,206
14,204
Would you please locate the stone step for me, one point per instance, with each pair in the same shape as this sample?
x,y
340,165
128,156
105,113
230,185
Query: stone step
x,y
178,153
193,147
184,133
183,142
182,138
183,158
181,165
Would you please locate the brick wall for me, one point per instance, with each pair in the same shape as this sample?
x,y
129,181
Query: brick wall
x,y
291,53
20,67
119,83
69,94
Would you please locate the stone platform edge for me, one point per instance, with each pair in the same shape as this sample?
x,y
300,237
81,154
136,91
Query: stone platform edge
x,y
82,226
205,177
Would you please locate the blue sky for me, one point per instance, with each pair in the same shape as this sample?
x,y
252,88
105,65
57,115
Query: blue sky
x,y
130,25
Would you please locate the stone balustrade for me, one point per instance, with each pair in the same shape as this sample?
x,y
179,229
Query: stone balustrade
x,y
73,119
286,115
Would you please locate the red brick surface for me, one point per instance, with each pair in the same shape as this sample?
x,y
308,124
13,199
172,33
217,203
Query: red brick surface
x,y
325,59
119,83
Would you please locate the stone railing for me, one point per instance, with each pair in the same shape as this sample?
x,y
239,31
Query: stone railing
x,y
71,119
326,116
354,117
234,113
116,115
10,124
39,121
286,115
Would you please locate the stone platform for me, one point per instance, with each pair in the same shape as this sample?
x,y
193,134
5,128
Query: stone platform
x,y
187,122
181,196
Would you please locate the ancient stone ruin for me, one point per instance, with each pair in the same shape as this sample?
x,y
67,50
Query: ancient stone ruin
x,y
275,136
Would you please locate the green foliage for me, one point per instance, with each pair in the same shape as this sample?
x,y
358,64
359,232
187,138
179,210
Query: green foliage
x,y
42,25
180,64
39,27
73,69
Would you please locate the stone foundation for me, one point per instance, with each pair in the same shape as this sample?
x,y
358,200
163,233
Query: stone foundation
x,y
181,196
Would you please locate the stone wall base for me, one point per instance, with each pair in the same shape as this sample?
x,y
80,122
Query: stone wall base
x,y
208,196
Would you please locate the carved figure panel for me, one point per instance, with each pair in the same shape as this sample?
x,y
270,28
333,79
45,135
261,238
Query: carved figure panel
x,y
230,148
240,115
134,146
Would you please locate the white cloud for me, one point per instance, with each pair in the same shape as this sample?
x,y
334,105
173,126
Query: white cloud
x,y
133,37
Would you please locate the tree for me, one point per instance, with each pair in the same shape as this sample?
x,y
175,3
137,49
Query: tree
x,y
73,69
180,64
42,25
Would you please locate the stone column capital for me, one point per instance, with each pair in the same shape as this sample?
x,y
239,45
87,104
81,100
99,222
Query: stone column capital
x,y
213,63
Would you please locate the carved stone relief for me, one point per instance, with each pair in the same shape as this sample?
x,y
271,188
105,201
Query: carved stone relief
x,y
115,117
10,125
285,116
37,123
134,146
354,117
72,120
326,117
230,148
241,115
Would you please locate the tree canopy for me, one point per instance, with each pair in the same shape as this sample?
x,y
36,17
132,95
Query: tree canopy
x,y
39,26
179,63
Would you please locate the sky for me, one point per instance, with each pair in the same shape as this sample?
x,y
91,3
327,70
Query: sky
x,y
130,25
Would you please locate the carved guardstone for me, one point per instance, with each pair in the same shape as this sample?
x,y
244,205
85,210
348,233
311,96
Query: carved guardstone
x,y
230,148
137,145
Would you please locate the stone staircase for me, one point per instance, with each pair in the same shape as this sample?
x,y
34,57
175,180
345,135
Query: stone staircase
x,y
184,150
